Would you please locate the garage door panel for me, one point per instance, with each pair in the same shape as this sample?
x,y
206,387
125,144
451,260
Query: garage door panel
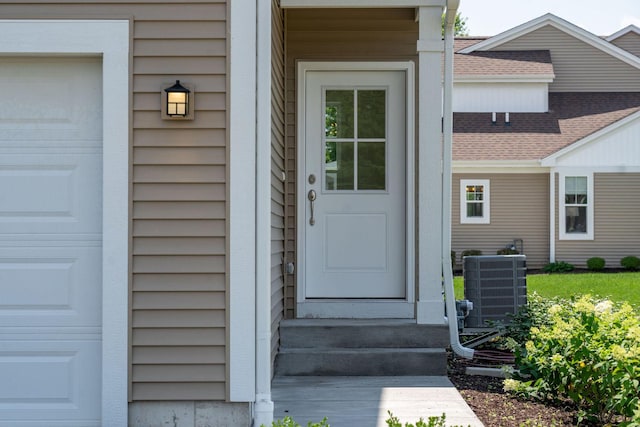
x,y
50,99
51,181
47,194
51,286
49,377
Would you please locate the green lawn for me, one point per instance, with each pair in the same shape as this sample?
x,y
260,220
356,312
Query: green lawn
x,y
616,286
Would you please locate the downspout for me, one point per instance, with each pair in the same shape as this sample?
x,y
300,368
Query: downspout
x,y
263,405
450,19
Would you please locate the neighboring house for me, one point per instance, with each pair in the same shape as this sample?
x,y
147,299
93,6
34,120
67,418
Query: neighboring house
x,y
147,259
545,152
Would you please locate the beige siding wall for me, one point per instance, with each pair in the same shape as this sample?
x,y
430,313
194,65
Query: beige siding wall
x,y
578,67
179,186
519,209
629,42
278,167
327,35
616,223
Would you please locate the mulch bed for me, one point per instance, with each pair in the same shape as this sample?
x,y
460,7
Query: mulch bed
x,y
495,408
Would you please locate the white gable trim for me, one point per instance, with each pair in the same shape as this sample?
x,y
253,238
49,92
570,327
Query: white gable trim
x,y
318,4
110,39
622,32
504,78
552,160
562,25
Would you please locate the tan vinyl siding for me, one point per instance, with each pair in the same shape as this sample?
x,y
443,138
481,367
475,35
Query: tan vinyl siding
x,y
519,209
578,66
277,168
179,177
616,223
327,35
629,42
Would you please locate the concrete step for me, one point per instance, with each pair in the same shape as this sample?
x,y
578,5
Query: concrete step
x,y
361,362
357,333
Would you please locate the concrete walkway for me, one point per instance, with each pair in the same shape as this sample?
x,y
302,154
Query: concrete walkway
x,y
364,401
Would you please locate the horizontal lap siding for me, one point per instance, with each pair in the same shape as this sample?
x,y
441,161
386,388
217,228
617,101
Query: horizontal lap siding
x,y
616,223
330,35
179,179
519,210
277,168
629,42
578,66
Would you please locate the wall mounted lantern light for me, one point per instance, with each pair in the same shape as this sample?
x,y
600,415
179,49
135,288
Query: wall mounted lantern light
x,y
177,102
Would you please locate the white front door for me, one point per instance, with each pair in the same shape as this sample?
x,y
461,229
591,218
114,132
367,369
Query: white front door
x,y
50,241
354,194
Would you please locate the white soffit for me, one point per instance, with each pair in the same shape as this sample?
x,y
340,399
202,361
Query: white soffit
x,y
319,4
562,25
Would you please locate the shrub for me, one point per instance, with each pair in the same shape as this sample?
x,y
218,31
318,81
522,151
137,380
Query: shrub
x,y
595,263
558,267
507,251
589,352
630,262
289,422
394,421
470,252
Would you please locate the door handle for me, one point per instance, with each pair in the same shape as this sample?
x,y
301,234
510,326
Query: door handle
x,y
312,198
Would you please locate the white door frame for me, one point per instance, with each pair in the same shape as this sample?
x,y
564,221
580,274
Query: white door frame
x,y
110,40
385,307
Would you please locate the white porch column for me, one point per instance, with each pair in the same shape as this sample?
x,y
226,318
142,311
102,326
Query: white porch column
x,y
429,304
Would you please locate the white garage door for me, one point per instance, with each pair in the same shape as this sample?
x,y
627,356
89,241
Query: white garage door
x,y
50,241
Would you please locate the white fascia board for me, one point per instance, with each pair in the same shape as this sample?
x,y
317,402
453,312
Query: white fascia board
x,y
562,25
498,166
622,32
320,4
551,161
505,78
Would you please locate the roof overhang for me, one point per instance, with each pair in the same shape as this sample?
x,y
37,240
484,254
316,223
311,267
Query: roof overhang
x,y
507,78
552,159
562,25
498,166
622,32
344,4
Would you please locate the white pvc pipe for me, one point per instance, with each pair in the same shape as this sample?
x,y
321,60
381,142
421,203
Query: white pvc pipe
x,y
459,349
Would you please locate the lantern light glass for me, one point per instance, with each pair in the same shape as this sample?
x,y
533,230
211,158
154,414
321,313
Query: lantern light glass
x,y
177,100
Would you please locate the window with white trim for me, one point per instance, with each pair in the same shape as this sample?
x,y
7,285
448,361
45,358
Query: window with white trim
x,y
576,207
474,201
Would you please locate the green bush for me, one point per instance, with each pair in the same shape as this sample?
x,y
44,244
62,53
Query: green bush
x,y
470,252
558,267
393,421
630,263
596,263
289,422
588,352
507,251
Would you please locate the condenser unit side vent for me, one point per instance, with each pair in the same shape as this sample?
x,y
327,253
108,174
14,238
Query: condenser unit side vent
x,y
497,286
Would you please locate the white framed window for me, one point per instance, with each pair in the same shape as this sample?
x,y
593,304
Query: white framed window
x,y
475,201
576,206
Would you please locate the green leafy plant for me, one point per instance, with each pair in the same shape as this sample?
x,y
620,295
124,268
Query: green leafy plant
x,y
394,421
630,263
596,263
470,252
289,422
558,267
507,251
588,351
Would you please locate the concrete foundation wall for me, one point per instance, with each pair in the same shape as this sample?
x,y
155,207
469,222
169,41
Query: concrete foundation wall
x,y
189,414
